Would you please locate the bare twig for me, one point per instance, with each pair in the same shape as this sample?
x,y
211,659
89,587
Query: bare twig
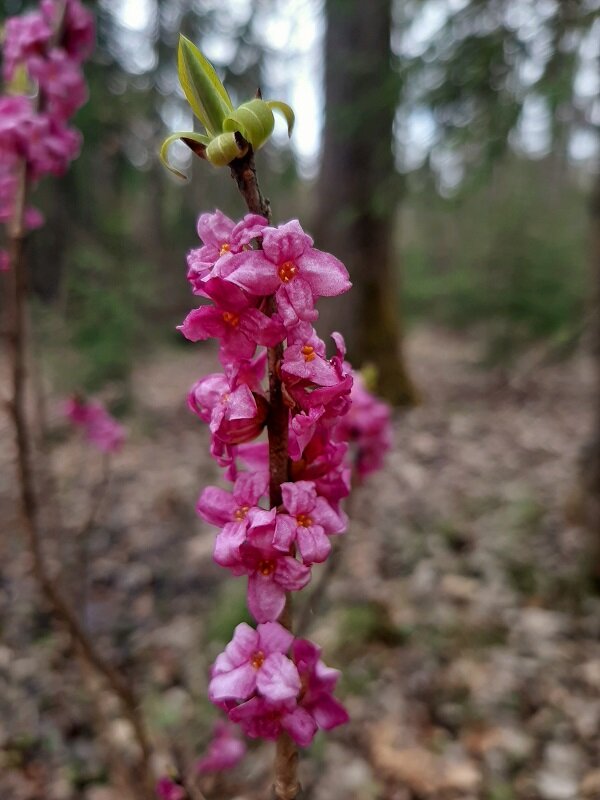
x,y
82,536
16,302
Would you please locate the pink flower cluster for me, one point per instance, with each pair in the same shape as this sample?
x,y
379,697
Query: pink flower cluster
x,y
367,428
261,284
35,128
99,427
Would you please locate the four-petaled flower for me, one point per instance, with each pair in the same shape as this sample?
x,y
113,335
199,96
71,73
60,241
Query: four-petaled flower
x,y
233,512
270,572
291,268
255,660
309,522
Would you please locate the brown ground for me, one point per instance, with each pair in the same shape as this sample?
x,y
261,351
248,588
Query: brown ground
x,y
460,613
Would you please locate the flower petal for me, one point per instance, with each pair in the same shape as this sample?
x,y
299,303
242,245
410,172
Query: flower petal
x,y
299,497
227,544
300,726
329,713
323,514
313,544
290,574
274,638
252,271
325,274
278,678
238,684
242,645
285,532
216,506
266,598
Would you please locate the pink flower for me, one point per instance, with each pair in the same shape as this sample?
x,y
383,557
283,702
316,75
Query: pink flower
x,y
167,789
220,236
33,218
314,382
234,414
253,661
100,428
289,267
260,719
305,362
270,572
239,331
61,81
78,28
309,521
367,426
224,752
323,462
24,36
233,512
318,684
302,429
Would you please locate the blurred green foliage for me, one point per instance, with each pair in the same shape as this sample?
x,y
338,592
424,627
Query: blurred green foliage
x,y
503,251
508,258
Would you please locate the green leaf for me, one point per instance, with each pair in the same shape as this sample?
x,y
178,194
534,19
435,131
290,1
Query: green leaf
x,y
254,120
224,149
195,137
286,111
201,85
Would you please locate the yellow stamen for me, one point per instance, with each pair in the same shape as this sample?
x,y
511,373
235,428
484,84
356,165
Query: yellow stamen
x,y
231,319
240,513
258,659
266,568
287,271
308,352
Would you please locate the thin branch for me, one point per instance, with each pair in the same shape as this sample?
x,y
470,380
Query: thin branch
x,y
16,304
82,537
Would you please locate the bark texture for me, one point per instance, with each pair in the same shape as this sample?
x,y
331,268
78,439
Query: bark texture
x,y
359,188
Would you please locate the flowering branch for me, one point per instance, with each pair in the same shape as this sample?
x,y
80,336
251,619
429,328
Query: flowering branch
x,y
263,283
46,47
243,170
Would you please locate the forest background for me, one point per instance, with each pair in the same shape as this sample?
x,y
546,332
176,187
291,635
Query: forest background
x,y
447,151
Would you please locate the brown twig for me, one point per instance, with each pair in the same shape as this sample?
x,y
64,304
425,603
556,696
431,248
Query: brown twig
x,y
16,306
83,534
243,170
30,512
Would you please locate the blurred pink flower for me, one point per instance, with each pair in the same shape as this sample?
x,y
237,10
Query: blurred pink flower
x,y
167,789
224,752
99,427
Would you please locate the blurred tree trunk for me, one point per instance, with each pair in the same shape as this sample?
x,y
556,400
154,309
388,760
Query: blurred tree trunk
x,y
358,187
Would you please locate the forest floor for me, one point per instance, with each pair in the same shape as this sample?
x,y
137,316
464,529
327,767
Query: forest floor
x,y
460,611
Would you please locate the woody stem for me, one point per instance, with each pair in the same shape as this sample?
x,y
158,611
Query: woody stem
x,y
243,170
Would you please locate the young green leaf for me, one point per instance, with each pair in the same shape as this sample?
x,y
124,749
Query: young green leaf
x,y
201,85
223,149
286,111
195,137
254,120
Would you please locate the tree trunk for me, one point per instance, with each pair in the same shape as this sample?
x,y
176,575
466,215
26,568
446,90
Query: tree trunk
x,y
358,187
